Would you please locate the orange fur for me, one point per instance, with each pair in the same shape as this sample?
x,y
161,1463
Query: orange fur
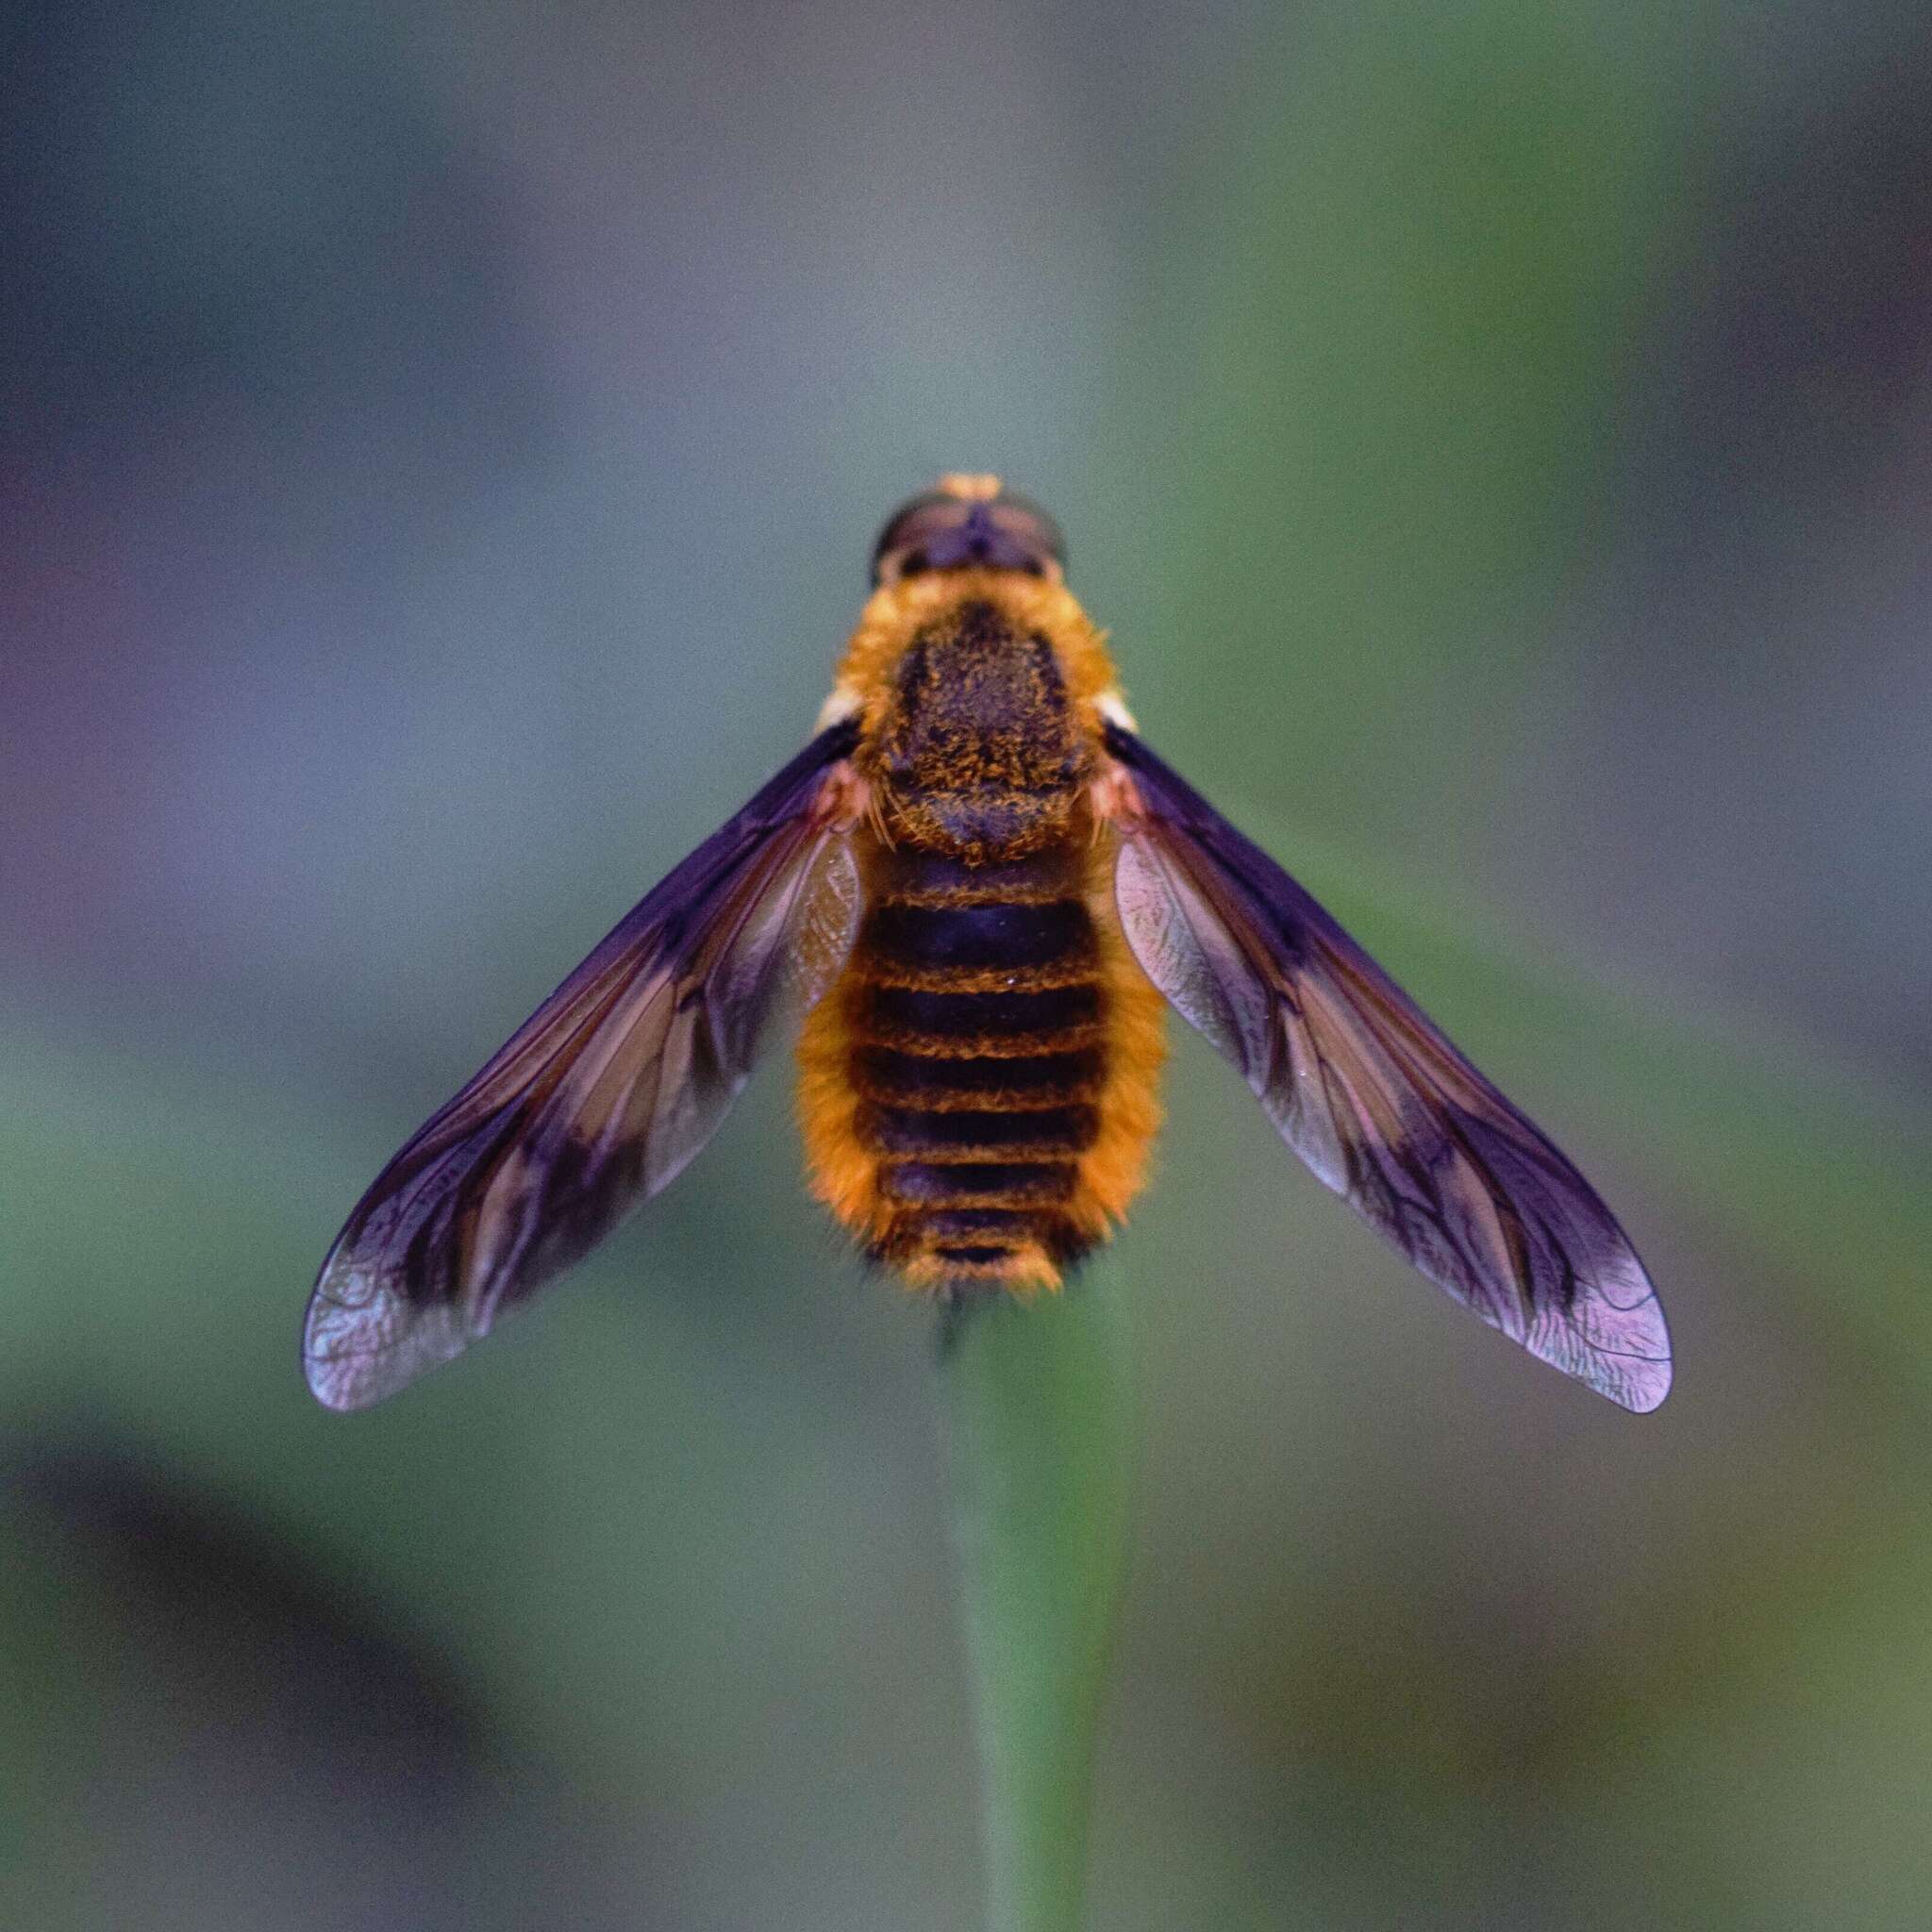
x,y
896,613
844,1174
1114,1169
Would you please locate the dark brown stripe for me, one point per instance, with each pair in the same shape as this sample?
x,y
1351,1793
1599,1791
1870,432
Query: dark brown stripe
x,y
1049,1079
1003,933
932,879
980,1224
983,1016
1002,1231
972,1257
877,969
1004,1184
913,1130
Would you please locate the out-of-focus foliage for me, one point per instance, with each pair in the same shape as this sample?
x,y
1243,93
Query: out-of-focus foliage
x,y
438,453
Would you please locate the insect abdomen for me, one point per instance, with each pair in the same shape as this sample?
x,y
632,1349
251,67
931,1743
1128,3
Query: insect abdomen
x,y
998,1108
977,1090
978,1030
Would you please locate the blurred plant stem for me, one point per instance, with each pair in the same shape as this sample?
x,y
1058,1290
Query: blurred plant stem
x,y
1039,1408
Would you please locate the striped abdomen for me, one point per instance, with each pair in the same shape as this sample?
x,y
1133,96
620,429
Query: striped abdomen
x,y
979,1088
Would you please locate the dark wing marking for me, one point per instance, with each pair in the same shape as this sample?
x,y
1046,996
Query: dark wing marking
x,y
1370,1093
596,1100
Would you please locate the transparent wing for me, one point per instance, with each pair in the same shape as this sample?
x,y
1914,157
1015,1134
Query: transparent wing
x,y
1371,1095
599,1098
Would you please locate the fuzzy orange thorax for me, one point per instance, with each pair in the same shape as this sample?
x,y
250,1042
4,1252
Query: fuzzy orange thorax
x,y
897,613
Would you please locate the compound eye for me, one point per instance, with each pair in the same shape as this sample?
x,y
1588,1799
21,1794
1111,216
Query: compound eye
x,y
899,551
1033,536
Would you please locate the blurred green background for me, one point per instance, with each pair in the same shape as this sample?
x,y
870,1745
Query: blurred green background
x,y
439,449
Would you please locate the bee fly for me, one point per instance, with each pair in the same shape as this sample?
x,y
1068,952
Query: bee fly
x,y
979,886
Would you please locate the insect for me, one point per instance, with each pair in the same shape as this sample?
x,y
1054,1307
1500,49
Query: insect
x,y
980,889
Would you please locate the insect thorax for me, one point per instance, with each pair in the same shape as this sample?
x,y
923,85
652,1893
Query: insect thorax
x,y
979,754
